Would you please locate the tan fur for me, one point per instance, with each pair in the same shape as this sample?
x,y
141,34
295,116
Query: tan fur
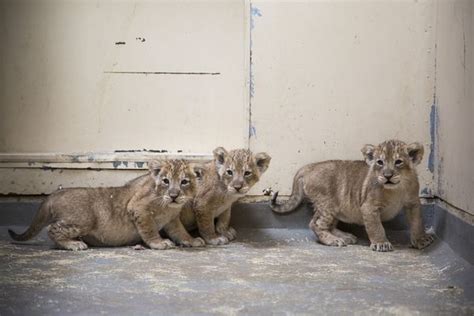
x,y
364,193
118,216
226,179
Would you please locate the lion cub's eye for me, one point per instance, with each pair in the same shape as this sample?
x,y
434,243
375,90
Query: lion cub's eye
x,y
247,173
184,182
229,172
398,162
380,162
166,181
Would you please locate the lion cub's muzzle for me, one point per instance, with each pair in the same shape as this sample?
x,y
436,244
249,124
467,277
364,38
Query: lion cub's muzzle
x,y
389,179
238,190
176,198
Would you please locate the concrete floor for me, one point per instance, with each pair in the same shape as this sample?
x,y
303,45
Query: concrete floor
x,y
266,271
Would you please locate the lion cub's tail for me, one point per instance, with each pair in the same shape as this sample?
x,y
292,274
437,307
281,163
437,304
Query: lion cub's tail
x,y
40,220
295,199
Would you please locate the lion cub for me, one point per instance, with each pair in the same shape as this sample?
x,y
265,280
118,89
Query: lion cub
x,y
365,193
118,216
226,179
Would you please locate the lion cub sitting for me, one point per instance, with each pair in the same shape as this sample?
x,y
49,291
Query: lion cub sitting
x,y
364,193
226,179
118,216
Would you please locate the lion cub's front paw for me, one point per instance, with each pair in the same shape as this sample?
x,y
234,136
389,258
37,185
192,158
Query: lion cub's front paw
x,y
221,240
229,232
423,241
382,246
195,242
198,242
162,244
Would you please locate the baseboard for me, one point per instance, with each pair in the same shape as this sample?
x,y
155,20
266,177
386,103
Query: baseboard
x,y
454,230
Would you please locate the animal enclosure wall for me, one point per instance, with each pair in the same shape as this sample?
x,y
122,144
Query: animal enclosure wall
x,y
304,81
453,113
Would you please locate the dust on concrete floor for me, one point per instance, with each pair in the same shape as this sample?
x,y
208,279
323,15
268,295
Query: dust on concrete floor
x,y
265,271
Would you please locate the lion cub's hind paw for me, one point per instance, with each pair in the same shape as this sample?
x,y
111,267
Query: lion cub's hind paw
x,y
74,245
333,241
230,233
423,242
338,242
350,239
382,246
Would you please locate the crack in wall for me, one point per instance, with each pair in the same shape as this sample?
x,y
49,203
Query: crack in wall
x,y
162,73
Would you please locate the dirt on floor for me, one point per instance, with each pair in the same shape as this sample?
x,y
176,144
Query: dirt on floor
x,y
266,271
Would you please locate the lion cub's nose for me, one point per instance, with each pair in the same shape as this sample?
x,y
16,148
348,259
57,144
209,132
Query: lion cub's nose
x,y
388,174
174,195
237,187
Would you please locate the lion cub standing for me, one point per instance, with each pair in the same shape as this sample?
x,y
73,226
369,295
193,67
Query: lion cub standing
x,y
226,179
364,193
118,216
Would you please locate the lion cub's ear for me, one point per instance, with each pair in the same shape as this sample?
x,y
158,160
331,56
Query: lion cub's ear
x,y
198,170
262,160
368,152
219,155
155,167
415,152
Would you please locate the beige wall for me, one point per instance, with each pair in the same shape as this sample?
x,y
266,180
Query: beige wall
x,y
331,76
326,77
454,117
57,96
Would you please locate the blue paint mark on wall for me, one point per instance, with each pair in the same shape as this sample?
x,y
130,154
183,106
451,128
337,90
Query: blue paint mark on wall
x,y
433,135
254,12
252,131
426,192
